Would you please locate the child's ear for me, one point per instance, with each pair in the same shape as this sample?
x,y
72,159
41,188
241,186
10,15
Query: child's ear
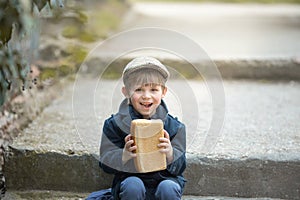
x,y
164,92
125,92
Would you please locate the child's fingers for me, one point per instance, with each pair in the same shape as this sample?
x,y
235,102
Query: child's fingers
x,y
131,149
164,145
164,150
128,144
127,138
166,135
165,140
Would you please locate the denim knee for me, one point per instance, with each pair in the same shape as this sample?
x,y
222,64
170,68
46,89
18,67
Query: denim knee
x,y
168,189
132,188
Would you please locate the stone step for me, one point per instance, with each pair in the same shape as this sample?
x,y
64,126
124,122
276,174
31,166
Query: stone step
x,y
29,169
238,68
61,195
256,154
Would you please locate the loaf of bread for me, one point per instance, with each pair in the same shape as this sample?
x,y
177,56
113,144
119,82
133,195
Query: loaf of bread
x,y
146,134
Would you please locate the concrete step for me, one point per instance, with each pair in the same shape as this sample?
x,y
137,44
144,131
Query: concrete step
x,y
256,154
60,195
27,170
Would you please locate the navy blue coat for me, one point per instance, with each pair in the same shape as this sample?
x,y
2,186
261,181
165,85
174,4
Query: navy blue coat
x,y
117,127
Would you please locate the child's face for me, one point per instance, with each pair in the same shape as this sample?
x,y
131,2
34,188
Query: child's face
x,y
145,99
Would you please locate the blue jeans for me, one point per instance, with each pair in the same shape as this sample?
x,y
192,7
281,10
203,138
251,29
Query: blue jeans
x,y
134,188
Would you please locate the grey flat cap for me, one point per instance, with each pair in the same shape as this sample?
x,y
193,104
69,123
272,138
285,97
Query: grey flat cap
x,y
145,62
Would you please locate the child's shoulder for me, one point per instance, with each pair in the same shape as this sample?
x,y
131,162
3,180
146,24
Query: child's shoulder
x,y
174,121
110,122
109,119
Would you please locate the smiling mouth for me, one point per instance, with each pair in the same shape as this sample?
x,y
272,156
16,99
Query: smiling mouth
x,y
147,105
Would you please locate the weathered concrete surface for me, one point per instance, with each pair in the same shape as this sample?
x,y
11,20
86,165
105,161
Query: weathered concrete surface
x,y
59,195
269,69
256,155
29,170
286,69
229,31
254,41
245,178
54,171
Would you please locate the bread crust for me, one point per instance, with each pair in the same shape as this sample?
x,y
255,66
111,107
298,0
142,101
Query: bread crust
x,y
146,134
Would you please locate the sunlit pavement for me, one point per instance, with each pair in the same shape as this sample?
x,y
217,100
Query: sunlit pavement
x,y
226,31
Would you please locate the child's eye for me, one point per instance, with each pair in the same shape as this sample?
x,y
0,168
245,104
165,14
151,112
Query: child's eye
x,y
138,90
154,89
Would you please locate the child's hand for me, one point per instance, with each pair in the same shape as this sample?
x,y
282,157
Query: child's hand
x,y
128,149
166,146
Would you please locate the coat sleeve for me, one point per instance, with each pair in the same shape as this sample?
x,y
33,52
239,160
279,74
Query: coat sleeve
x,y
111,149
178,142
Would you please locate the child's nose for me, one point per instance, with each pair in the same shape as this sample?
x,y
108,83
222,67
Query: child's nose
x,y
146,94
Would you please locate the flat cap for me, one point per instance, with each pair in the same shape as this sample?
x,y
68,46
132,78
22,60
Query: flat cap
x,y
145,63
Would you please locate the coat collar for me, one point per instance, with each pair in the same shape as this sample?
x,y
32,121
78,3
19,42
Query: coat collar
x,y
127,113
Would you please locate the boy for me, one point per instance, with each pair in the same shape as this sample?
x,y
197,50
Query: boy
x,y
144,87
